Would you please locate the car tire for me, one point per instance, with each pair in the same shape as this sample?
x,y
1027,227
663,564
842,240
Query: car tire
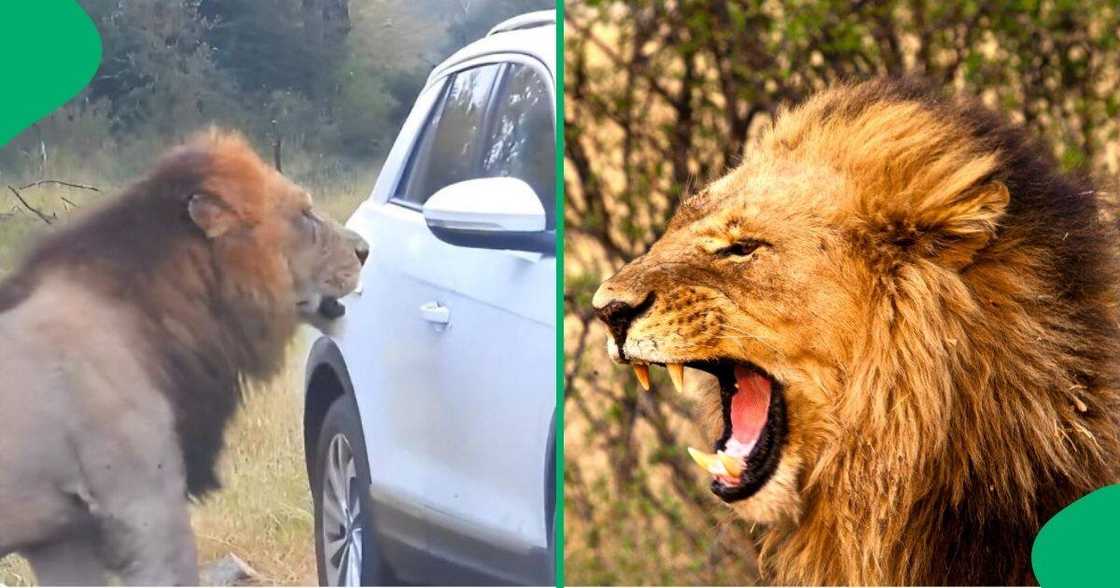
x,y
345,548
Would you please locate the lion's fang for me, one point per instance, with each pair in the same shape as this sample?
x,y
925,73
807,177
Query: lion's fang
x,y
733,466
641,370
709,462
676,373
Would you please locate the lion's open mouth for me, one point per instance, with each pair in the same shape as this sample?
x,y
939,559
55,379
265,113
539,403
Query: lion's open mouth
x,y
754,426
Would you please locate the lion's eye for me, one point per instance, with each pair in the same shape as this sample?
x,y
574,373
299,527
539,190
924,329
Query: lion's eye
x,y
740,248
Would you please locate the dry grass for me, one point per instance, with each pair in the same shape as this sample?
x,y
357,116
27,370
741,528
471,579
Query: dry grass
x,y
14,571
263,514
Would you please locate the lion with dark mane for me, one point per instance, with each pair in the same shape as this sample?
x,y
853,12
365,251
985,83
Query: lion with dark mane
x,y
900,320
126,335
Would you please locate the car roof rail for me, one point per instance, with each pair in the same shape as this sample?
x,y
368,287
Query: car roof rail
x,y
528,20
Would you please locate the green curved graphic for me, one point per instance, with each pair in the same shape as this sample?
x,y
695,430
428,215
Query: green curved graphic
x,y
1080,546
49,51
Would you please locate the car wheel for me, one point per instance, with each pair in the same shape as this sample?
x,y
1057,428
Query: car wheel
x,y
345,549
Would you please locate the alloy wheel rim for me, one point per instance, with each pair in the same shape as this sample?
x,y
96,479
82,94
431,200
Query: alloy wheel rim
x,y
341,514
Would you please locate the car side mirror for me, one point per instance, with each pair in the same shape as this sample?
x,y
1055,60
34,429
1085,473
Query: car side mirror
x,y
490,213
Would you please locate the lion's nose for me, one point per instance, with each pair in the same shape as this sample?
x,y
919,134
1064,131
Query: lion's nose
x,y
617,316
362,251
361,247
618,310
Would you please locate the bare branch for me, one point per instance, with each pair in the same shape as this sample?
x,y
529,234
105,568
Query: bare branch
x,y
60,183
47,219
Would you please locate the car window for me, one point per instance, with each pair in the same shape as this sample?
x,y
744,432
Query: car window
x,y
422,145
521,142
447,151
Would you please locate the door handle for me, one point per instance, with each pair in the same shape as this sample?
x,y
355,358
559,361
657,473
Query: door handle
x,y
434,312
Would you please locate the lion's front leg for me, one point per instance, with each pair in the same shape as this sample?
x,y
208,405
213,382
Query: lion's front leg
x,y
151,542
74,561
138,497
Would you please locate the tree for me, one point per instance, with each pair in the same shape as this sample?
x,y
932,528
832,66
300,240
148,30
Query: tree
x,y
276,45
472,19
158,67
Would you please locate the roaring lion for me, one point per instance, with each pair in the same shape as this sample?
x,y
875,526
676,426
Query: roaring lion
x,y
125,335
911,320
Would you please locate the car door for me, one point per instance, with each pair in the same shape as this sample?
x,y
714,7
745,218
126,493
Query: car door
x,y
495,360
457,445
382,342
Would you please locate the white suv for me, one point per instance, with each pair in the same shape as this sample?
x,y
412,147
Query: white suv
x,y
430,409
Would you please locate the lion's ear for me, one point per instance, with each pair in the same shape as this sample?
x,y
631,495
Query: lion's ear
x,y
211,215
967,225
953,229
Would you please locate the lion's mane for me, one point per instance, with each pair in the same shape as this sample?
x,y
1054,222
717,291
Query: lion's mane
x,y
994,385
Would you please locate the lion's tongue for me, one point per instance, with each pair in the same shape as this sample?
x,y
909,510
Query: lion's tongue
x,y
749,406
